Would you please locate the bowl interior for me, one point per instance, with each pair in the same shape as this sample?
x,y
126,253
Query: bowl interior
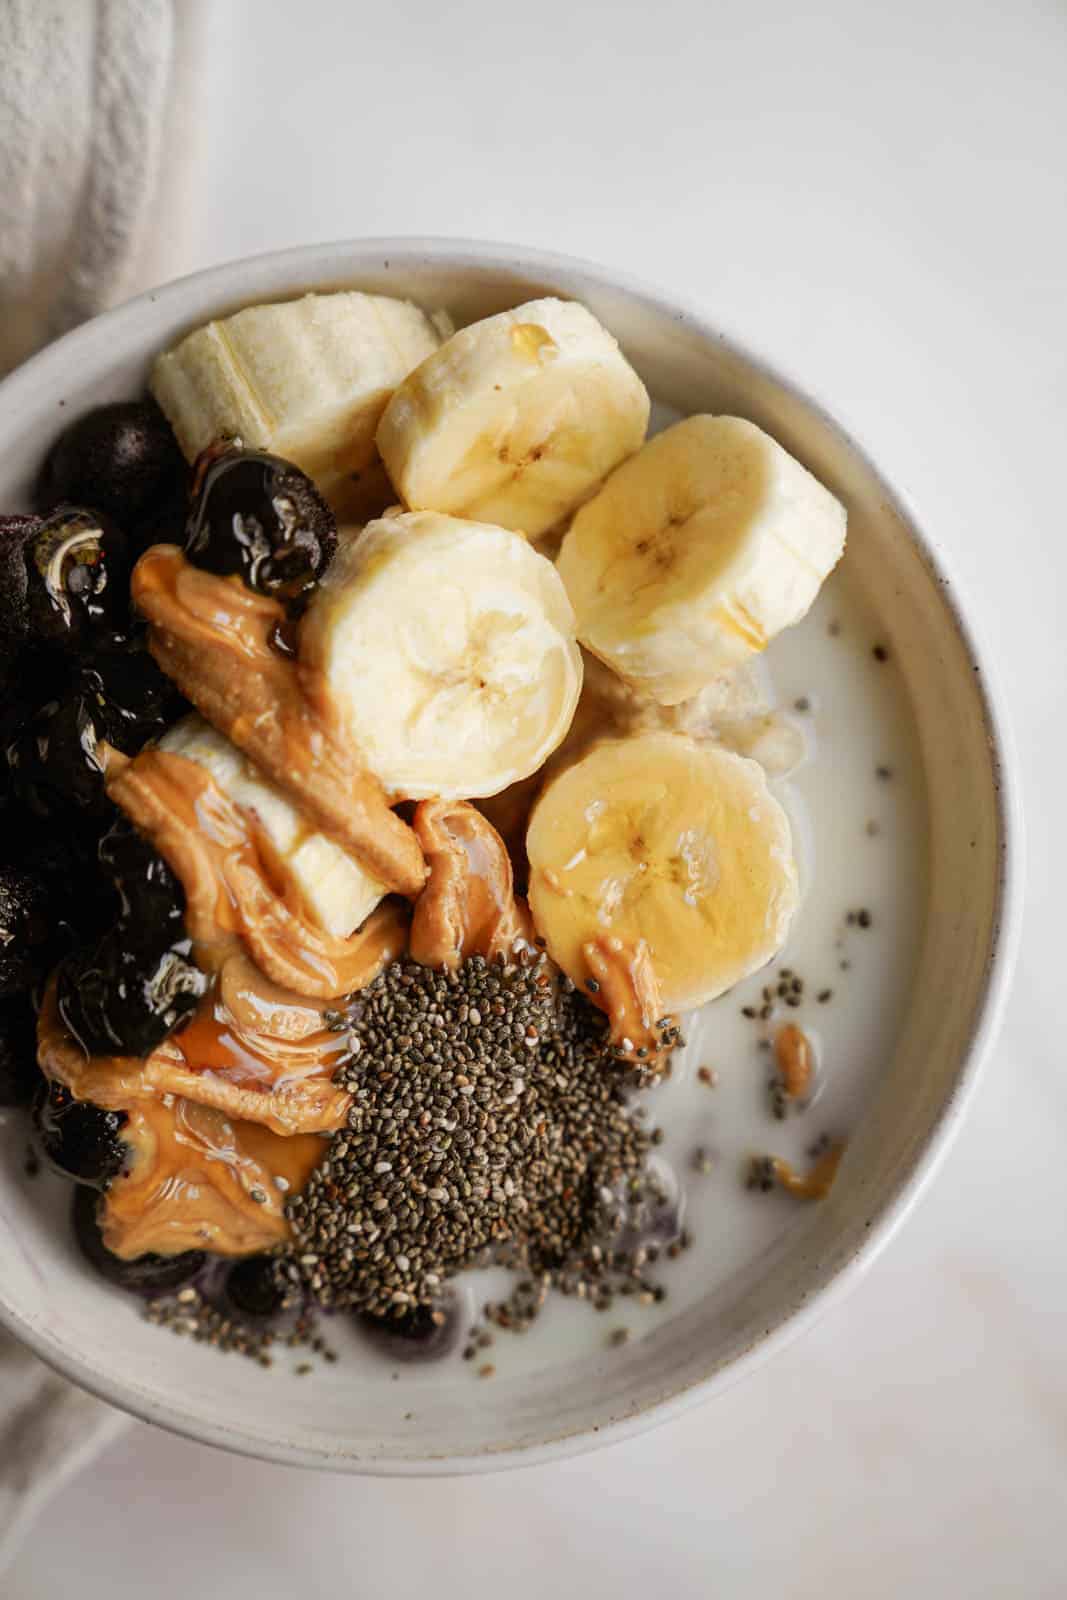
x,y
91,1333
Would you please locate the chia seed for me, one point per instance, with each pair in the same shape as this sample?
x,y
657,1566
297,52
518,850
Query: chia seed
x,y
191,1314
489,1123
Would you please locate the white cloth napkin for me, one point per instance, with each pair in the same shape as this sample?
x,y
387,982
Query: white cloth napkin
x,y
98,122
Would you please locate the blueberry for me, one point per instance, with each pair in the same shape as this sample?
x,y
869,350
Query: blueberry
x,y
77,593
163,524
151,901
79,1140
54,761
415,1335
15,531
148,1275
24,929
121,459
128,697
20,1076
259,516
81,901
253,1289
121,997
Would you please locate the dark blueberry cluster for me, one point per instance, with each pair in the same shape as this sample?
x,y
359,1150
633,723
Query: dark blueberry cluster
x,y
257,515
82,895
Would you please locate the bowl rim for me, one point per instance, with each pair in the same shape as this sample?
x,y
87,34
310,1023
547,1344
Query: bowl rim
x,y
312,262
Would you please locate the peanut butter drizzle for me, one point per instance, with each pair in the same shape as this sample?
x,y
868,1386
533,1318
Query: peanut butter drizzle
x,y
628,991
813,1185
282,1084
212,636
468,906
210,844
197,1181
793,1057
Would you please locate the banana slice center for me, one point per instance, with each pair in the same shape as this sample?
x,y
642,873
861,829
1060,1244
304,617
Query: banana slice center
x,y
688,870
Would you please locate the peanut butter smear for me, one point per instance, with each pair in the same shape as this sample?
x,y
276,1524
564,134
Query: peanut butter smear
x,y
195,1180
284,1084
196,1168
210,844
468,906
624,985
213,637
814,1184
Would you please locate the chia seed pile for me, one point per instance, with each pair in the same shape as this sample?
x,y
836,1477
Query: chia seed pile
x,y
489,1124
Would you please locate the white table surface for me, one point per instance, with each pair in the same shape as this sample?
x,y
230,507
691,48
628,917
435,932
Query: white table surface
x,y
875,196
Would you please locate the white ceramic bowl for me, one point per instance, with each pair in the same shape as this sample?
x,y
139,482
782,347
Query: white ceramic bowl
x,y
90,1333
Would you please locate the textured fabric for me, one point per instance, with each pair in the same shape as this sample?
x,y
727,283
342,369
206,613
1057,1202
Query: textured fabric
x,y
96,101
96,172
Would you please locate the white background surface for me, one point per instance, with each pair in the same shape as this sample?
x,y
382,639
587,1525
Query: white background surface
x,y
874,196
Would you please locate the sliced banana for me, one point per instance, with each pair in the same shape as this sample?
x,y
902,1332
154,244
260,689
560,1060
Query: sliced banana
x,y
655,847
307,379
337,890
696,552
515,420
448,649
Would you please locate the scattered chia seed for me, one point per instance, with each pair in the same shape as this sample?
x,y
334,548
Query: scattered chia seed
x,y
190,1314
802,703
833,628
760,1174
884,773
618,1337
863,918
824,996
879,652
872,829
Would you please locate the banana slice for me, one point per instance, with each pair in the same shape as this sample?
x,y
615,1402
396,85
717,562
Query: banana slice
x,y
516,419
336,889
306,379
696,552
657,849
448,649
